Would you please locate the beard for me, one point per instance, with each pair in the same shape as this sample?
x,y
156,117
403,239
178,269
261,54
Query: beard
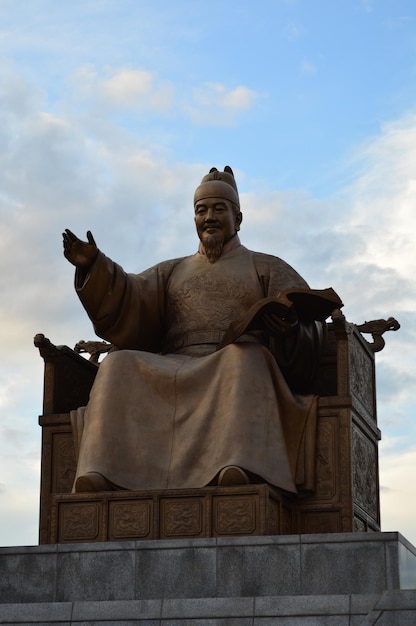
x,y
213,247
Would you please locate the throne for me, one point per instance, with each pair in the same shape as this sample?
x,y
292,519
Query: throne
x,y
346,494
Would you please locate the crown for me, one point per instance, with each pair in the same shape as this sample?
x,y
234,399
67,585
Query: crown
x,y
217,184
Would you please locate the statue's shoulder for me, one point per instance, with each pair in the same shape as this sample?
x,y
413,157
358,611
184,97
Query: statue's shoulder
x,y
164,268
275,272
268,260
170,264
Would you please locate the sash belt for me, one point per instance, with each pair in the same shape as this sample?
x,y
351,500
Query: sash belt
x,y
197,337
200,337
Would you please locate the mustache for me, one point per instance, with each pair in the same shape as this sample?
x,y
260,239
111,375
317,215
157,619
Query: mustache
x,y
211,224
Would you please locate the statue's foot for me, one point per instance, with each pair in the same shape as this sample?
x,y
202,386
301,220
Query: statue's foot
x,y
93,482
232,475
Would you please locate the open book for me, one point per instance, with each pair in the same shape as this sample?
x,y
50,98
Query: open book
x,y
308,304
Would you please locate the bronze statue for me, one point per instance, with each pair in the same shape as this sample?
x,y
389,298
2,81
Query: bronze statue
x,y
168,409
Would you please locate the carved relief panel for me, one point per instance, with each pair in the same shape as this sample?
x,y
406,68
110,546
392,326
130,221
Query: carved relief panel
x,y
78,521
326,470
234,515
130,520
181,517
362,375
365,473
63,462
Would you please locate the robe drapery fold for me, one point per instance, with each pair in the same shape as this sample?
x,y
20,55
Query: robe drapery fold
x,y
168,411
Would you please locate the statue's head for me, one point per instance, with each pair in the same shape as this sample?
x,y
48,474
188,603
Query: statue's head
x,y
217,210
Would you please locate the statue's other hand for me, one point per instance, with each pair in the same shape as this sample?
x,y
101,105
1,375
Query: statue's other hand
x,y
275,326
82,254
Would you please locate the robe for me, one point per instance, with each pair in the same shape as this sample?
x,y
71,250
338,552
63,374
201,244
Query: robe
x,y
167,409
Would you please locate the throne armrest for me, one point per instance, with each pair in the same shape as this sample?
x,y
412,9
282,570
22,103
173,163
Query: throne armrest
x,y
68,377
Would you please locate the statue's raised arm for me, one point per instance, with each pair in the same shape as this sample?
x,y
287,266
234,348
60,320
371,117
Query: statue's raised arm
x,y
80,253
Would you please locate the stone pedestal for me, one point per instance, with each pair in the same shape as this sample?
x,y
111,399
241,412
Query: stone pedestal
x,y
330,580
249,510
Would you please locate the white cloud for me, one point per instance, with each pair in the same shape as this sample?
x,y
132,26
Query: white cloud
x,y
141,91
398,503
217,104
381,222
136,88
368,5
384,195
123,88
218,95
128,85
308,67
240,98
17,97
294,31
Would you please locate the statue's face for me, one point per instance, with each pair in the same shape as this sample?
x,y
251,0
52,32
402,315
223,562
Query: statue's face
x,y
215,217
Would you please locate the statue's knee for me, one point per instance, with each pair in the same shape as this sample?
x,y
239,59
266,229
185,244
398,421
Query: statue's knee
x,y
117,359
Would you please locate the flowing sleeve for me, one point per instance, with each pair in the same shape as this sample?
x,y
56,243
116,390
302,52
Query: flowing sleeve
x,y
125,309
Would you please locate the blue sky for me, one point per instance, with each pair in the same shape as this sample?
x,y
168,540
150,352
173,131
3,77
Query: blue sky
x,y
111,112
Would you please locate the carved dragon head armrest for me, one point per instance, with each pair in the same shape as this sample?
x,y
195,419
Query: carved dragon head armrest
x,y
377,328
94,348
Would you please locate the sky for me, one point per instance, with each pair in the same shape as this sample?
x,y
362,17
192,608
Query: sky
x,y
111,111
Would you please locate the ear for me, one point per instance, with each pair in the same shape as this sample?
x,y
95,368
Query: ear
x,y
238,219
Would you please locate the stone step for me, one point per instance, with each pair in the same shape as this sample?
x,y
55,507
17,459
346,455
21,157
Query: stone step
x,y
331,564
393,608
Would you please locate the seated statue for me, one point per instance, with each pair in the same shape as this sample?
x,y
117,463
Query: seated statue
x,y
174,406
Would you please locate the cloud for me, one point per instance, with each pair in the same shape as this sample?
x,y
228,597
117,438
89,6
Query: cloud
x,y
397,480
377,270
294,31
383,196
240,98
141,91
368,5
218,105
126,86
218,95
136,90
308,67
17,97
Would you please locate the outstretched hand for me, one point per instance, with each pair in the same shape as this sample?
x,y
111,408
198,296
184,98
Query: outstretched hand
x,y
82,254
